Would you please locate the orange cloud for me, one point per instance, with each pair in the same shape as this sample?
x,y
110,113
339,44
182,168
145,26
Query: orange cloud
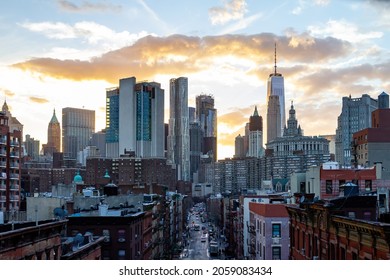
x,y
38,100
182,55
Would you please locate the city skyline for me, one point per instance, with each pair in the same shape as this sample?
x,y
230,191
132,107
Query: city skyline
x,y
63,53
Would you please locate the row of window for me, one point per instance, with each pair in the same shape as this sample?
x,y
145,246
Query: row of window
x,y
329,185
276,229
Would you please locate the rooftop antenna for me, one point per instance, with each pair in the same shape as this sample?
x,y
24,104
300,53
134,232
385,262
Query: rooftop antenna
x,y
275,59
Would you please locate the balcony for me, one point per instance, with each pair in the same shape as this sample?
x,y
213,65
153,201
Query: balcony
x,y
14,155
14,176
14,143
14,165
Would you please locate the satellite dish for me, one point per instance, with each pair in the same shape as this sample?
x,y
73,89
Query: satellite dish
x,y
302,199
316,199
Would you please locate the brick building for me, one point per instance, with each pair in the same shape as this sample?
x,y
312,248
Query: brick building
x,y
337,229
122,232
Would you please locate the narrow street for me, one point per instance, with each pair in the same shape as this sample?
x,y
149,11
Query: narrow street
x,y
198,239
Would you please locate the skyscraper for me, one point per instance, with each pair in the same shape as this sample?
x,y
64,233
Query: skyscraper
x,y
255,135
31,147
53,136
206,115
275,87
239,150
112,122
77,128
141,118
355,116
273,118
178,135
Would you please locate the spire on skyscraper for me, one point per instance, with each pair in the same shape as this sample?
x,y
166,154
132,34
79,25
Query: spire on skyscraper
x,y
54,117
275,59
255,113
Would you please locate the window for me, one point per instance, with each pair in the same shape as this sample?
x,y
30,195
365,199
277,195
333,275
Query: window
x,y
276,230
367,215
276,253
342,253
368,184
302,187
329,187
121,254
121,235
106,234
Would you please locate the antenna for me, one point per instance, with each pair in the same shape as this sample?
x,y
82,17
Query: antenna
x,y
275,59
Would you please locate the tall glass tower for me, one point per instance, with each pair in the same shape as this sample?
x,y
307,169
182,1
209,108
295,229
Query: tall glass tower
x,y
77,128
275,87
141,118
206,115
112,122
179,135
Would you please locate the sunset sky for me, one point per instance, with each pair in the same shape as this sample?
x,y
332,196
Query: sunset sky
x,y
57,54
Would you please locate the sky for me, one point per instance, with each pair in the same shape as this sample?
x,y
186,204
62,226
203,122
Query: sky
x,y
66,53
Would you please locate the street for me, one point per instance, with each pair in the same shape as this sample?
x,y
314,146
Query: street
x,y
197,240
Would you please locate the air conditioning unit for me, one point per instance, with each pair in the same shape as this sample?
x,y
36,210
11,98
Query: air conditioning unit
x,y
275,240
315,258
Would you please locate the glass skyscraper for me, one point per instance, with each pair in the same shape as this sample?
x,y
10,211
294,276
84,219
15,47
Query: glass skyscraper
x,y
206,115
112,122
275,87
141,118
179,135
77,128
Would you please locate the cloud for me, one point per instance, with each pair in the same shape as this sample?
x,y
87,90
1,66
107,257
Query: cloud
x,y
242,23
302,4
7,92
346,80
90,32
38,100
341,29
87,6
183,55
231,10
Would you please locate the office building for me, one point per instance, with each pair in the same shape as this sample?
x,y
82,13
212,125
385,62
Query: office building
x,y
112,122
255,135
273,118
77,128
32,148
355,115
294,152
239,151
141,118
206,115
179,135
276,116
195,148
53,136
372,144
